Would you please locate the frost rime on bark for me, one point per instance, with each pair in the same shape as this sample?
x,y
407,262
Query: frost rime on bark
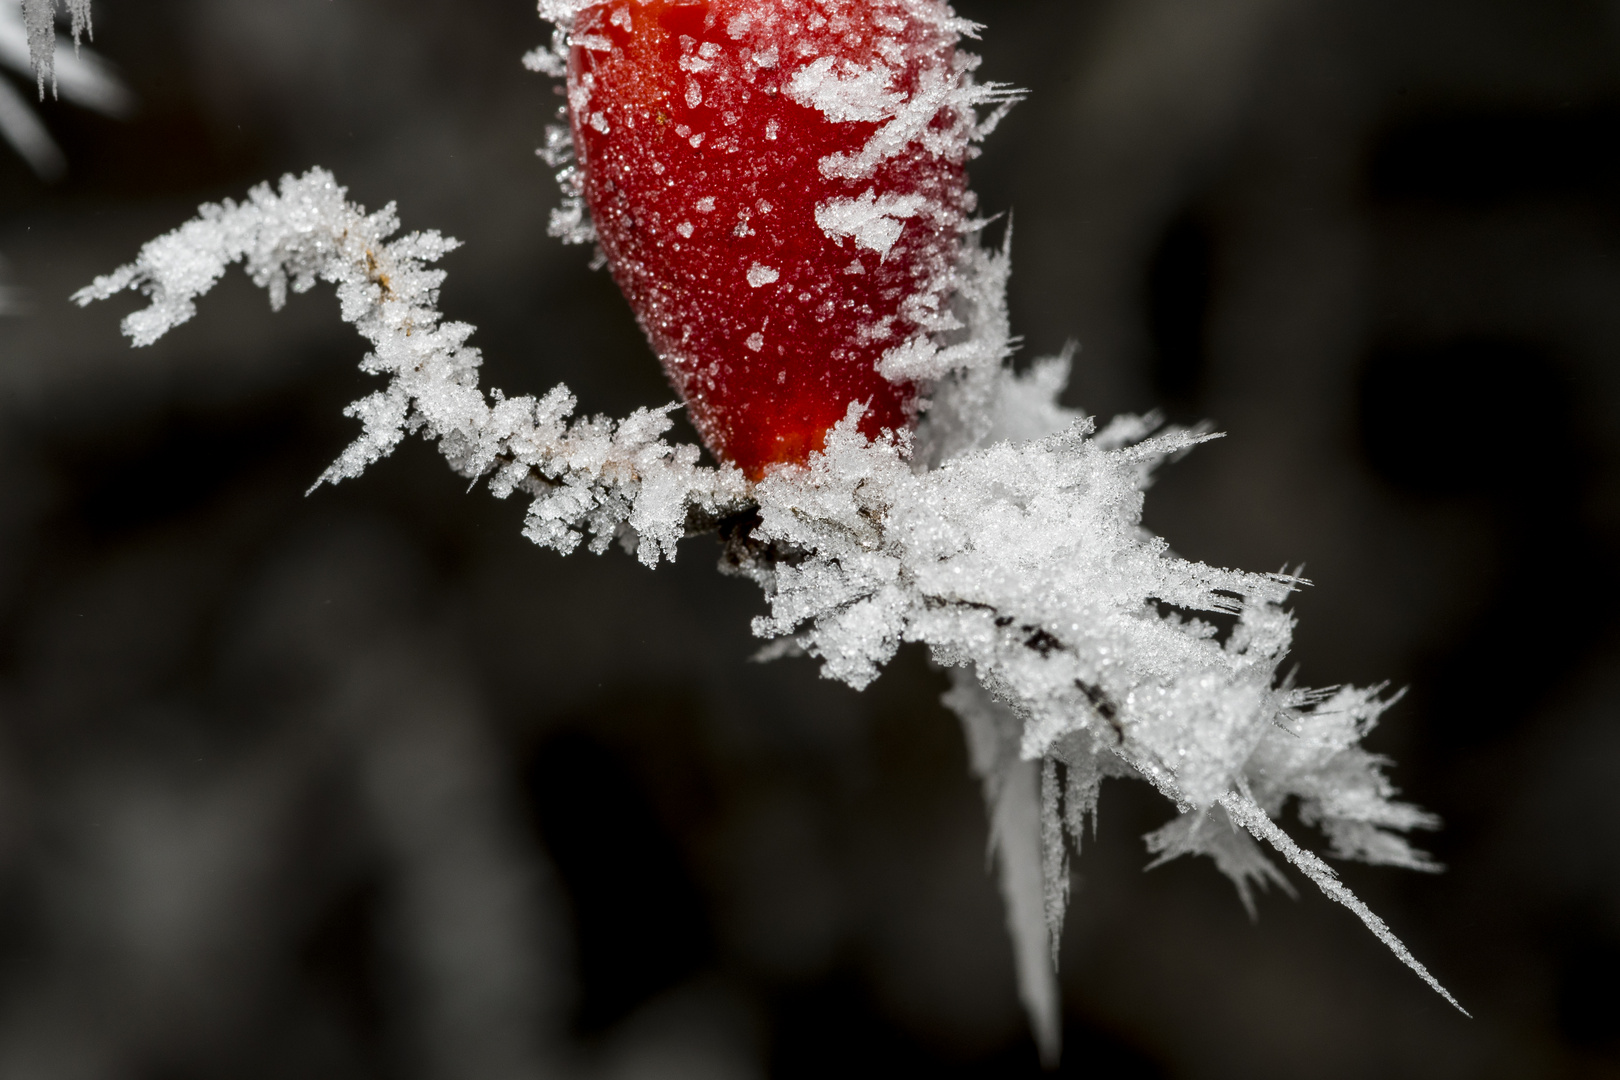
x,y
1005,536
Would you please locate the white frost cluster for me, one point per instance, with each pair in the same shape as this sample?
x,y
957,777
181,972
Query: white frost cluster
x,y
40,18
570,219
592,477
874,222
28,47
1005,535
1093,650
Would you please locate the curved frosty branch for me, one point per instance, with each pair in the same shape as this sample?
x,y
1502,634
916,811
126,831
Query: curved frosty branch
x,y
590,477
1005,535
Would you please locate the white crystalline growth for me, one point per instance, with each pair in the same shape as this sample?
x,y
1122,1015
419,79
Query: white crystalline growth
x,y
873,222
591,477
945,90
845,91
40,18
1005,535
82,77
28,47
1090,643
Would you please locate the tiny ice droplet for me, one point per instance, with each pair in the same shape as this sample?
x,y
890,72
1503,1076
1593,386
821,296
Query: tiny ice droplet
x,y
705,205
685,229
756,341
761,275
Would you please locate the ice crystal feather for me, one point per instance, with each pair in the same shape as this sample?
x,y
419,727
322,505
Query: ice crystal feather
x,y
1006,537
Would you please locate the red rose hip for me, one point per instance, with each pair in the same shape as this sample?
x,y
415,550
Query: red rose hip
x,y
779,188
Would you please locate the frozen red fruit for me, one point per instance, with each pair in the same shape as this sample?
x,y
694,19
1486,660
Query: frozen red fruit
x,y
779,188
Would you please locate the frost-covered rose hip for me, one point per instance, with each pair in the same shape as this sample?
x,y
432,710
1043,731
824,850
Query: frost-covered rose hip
x,y
778,186
786,175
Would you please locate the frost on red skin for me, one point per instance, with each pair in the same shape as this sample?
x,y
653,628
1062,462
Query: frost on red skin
x,y
704,176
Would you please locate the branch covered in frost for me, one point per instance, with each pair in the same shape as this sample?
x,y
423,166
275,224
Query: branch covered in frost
x,y
1005,535
590,477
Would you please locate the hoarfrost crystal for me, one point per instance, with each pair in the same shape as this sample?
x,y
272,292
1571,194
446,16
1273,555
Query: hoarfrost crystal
x,y
28,46
40,18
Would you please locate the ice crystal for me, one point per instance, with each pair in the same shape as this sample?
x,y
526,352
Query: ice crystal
x,y
40,18
28,47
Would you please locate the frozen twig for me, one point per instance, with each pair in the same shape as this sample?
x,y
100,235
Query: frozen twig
x,y
592,477
1005,535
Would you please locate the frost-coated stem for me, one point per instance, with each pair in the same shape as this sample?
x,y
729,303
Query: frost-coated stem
x,y
1005,535
589,477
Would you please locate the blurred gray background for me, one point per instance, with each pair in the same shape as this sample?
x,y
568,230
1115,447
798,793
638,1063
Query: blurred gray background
x,y
361,784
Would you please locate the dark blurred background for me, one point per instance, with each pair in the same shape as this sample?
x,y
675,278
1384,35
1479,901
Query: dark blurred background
x,y
361,784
